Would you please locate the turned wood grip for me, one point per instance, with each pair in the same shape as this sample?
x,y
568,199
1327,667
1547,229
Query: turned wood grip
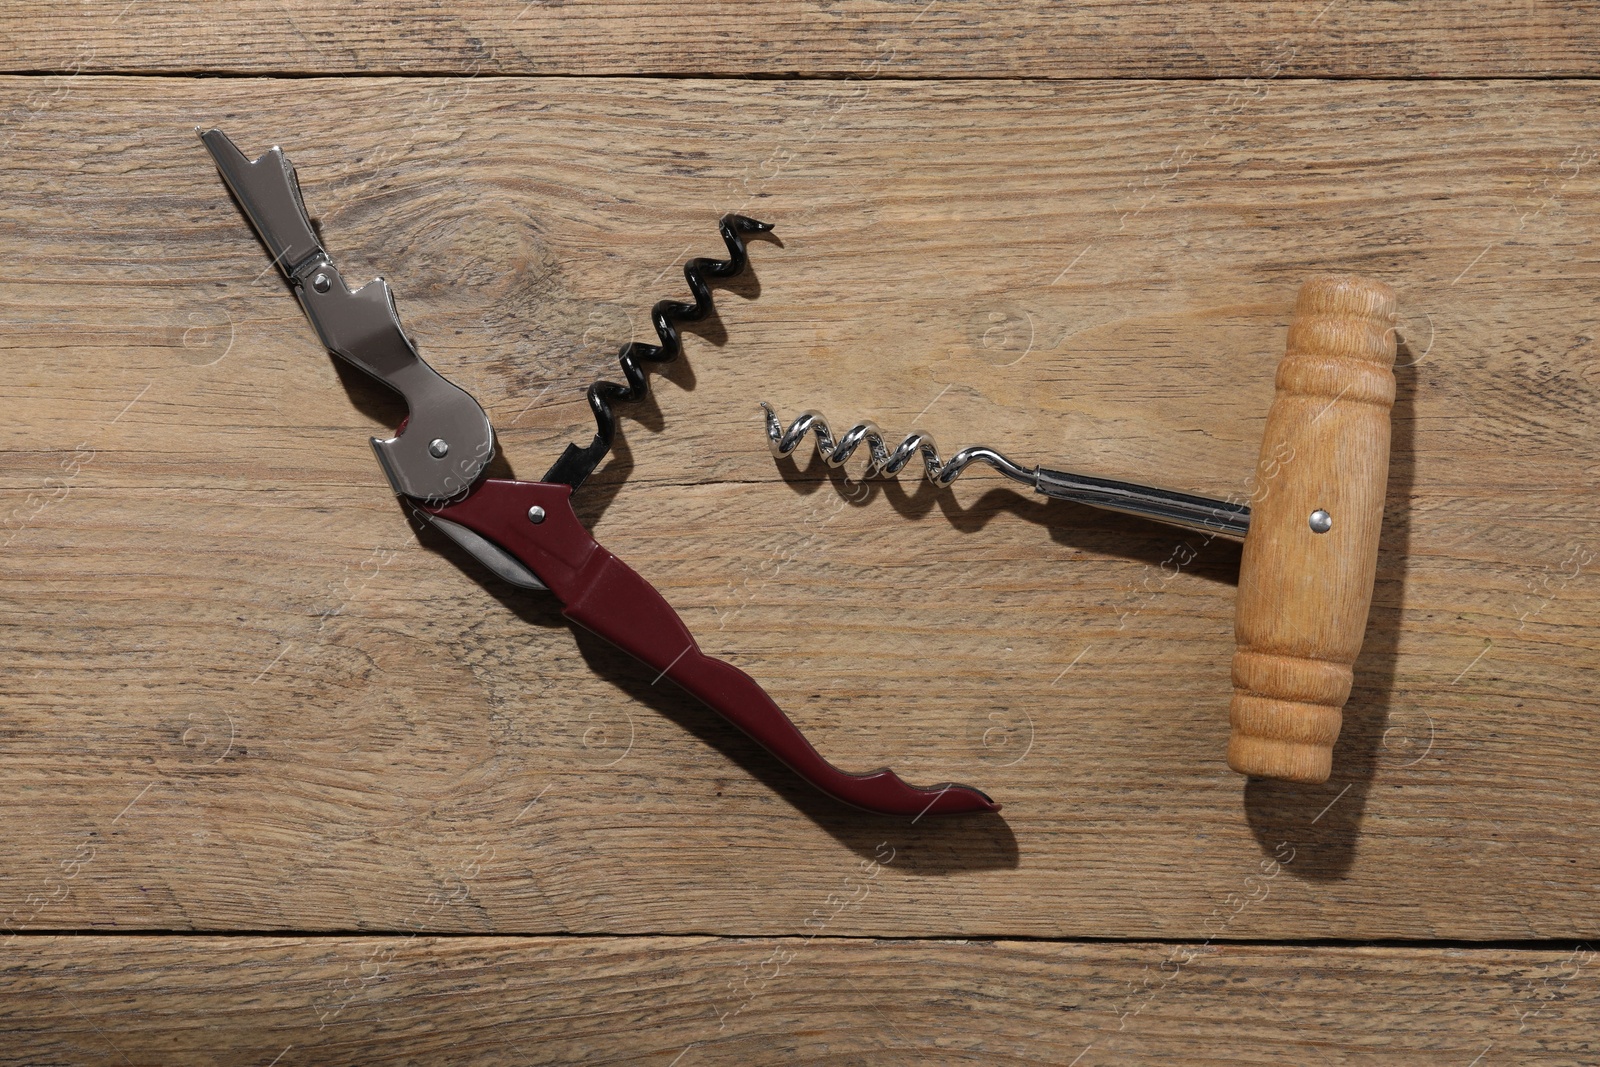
x,y
1304,594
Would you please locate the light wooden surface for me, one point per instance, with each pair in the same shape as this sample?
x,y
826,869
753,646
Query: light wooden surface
x,y
699,1001
242,695
854,38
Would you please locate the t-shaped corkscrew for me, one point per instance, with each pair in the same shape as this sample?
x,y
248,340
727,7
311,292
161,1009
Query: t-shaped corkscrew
x,y
1309,524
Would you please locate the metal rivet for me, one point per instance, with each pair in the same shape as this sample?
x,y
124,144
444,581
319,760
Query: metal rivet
x,y
321,283
438,448
1321,521
536,514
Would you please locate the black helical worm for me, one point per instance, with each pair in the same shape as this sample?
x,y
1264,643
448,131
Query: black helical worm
x,y
576,464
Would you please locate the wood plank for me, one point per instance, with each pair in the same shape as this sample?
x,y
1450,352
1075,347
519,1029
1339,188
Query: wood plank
x,y
862,39
525,1001
242,694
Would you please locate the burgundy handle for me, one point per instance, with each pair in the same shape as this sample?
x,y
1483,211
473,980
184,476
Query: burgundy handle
x,y
604,595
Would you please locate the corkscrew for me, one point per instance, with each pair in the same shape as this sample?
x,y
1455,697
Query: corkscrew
x,y
1310,525
526,533
1226,518
576,464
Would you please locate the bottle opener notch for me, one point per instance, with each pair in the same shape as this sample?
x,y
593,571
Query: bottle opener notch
x,y
446,441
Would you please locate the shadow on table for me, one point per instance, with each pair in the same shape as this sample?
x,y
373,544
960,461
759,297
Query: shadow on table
x,y
933,845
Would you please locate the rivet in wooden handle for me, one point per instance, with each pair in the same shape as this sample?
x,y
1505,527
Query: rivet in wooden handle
x,y
1311,554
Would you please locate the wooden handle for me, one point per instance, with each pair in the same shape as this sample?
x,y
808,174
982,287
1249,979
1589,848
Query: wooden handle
x,y
1304,594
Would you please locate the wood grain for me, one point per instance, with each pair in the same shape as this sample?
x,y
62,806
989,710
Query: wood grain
x,y
693,1000
242,694
860,39
1305,592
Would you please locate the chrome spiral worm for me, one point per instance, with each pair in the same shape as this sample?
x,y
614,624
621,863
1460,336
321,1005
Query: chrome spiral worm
x,y
883,463
576,464
1224,518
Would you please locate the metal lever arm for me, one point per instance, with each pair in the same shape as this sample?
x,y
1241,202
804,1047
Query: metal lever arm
x,y
449,442
534,522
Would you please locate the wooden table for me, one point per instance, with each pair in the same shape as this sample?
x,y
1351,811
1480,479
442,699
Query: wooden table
x,y
284,782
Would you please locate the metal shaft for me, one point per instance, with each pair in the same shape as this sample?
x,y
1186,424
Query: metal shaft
x,y
1220,517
